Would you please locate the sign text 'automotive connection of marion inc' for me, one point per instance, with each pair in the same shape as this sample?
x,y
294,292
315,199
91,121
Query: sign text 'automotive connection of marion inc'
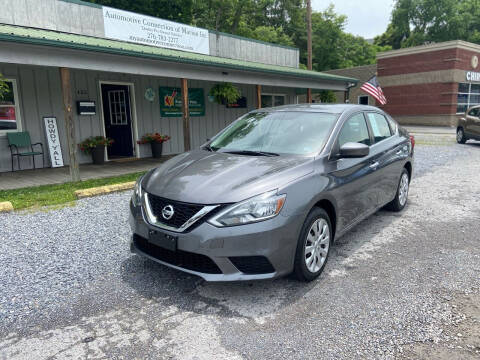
x,y
131,27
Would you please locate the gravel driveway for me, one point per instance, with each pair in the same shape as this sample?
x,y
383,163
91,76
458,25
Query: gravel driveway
x,y
397,286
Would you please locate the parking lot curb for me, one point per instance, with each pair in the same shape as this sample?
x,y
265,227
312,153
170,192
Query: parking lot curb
x,y
102,190
6,206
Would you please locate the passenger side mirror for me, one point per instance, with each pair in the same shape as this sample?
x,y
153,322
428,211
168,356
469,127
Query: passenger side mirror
x,y
354,150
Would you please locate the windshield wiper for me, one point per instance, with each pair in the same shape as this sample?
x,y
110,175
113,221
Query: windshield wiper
x,y
209,148
251,152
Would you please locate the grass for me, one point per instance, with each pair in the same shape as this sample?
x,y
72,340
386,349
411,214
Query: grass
x,y
48,195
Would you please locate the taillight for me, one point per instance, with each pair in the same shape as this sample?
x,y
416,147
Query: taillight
x,y
412,141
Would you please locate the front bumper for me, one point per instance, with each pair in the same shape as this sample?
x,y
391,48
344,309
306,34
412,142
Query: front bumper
x,y
256,251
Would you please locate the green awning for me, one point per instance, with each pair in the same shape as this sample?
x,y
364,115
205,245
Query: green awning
x,y
20,34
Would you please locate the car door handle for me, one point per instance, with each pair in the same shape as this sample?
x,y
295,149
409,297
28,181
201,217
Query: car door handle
x,y
374,165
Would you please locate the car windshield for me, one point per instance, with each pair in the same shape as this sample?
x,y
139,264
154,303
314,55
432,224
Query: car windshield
x,y
282,132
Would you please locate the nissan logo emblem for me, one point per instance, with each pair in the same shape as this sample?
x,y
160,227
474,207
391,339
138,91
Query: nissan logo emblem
x,y
167,212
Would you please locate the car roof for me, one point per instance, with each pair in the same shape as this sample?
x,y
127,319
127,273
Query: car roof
x,y
325,108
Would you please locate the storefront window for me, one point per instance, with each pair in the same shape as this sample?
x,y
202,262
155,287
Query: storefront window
x,y
468,95
269,100
9,114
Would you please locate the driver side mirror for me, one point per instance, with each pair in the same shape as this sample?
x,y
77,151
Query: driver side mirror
x,y
354,150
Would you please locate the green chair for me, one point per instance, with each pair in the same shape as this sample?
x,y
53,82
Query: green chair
x,y
19,140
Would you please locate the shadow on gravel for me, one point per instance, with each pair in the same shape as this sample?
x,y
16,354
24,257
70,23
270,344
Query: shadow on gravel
x,y
251,299
191,293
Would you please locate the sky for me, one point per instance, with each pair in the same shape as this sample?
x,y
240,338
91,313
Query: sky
x,y
367,18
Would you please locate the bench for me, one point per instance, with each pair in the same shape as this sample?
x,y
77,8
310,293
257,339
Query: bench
x,y
21,140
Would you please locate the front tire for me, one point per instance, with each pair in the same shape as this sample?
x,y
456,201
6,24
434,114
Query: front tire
x,y
461,139
313,245
401,196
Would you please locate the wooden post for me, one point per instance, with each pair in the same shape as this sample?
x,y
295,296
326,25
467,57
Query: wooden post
x,y
69,125
186,116
259,96
309,45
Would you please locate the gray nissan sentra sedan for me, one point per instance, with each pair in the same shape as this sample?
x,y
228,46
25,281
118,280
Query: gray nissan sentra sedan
x,y
270,193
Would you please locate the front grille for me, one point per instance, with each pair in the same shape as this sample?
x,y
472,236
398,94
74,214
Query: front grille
x,y
182,211
184,259
252,264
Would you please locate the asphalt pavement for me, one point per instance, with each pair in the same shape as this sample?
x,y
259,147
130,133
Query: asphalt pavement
x,y
399,286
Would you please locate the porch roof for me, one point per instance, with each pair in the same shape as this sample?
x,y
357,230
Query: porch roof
x,y
32,36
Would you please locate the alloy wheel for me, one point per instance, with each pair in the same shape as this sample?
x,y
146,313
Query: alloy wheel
x,y
403,189
459,135
317,245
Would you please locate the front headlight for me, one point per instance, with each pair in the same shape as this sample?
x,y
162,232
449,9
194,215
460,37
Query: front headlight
x,y
137,193
258,208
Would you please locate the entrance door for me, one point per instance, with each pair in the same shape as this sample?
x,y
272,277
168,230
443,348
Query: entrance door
x,y
118,119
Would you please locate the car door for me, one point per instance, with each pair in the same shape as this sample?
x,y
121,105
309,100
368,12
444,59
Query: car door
x,y
472,127
353,177
387,151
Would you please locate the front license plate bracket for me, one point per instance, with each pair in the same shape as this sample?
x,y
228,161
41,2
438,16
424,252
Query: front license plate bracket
x,y
163,240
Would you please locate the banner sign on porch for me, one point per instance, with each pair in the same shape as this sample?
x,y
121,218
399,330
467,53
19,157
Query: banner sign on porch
x,y
171,102
142,29
54,147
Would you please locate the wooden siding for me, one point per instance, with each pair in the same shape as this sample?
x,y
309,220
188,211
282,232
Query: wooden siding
x,y
40,95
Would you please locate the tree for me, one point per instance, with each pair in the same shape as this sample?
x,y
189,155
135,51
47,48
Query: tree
x,y
416,22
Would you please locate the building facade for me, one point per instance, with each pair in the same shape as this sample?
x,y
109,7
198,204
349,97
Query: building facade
x,y
355,95
126,74
425,85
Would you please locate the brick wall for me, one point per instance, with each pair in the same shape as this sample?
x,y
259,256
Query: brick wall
x,y
425,97
421,99
416,63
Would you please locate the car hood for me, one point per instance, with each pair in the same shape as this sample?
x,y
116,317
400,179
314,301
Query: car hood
x,y
204,177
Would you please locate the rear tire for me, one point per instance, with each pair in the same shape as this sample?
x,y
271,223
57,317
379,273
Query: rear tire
x,y
401,197
461,139
313,246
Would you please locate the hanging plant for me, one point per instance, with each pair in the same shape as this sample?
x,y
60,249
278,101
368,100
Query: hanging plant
x,y
225,93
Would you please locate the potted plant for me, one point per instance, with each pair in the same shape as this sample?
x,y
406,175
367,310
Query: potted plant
x,y
95,145
225,93
156,141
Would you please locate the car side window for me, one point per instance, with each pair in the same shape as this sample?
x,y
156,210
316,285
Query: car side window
x,y
354,130
474,112
393,125
379,125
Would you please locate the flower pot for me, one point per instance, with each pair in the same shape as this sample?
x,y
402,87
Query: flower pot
x,y
156,149
98,154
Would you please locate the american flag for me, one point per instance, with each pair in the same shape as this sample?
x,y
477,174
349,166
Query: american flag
x,y
372,87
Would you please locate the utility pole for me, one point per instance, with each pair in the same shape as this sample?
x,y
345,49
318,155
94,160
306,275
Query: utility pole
x,y
309,45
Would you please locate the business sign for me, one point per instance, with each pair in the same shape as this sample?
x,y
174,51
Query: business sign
x,y
473,76
171,102
128,26
54,147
